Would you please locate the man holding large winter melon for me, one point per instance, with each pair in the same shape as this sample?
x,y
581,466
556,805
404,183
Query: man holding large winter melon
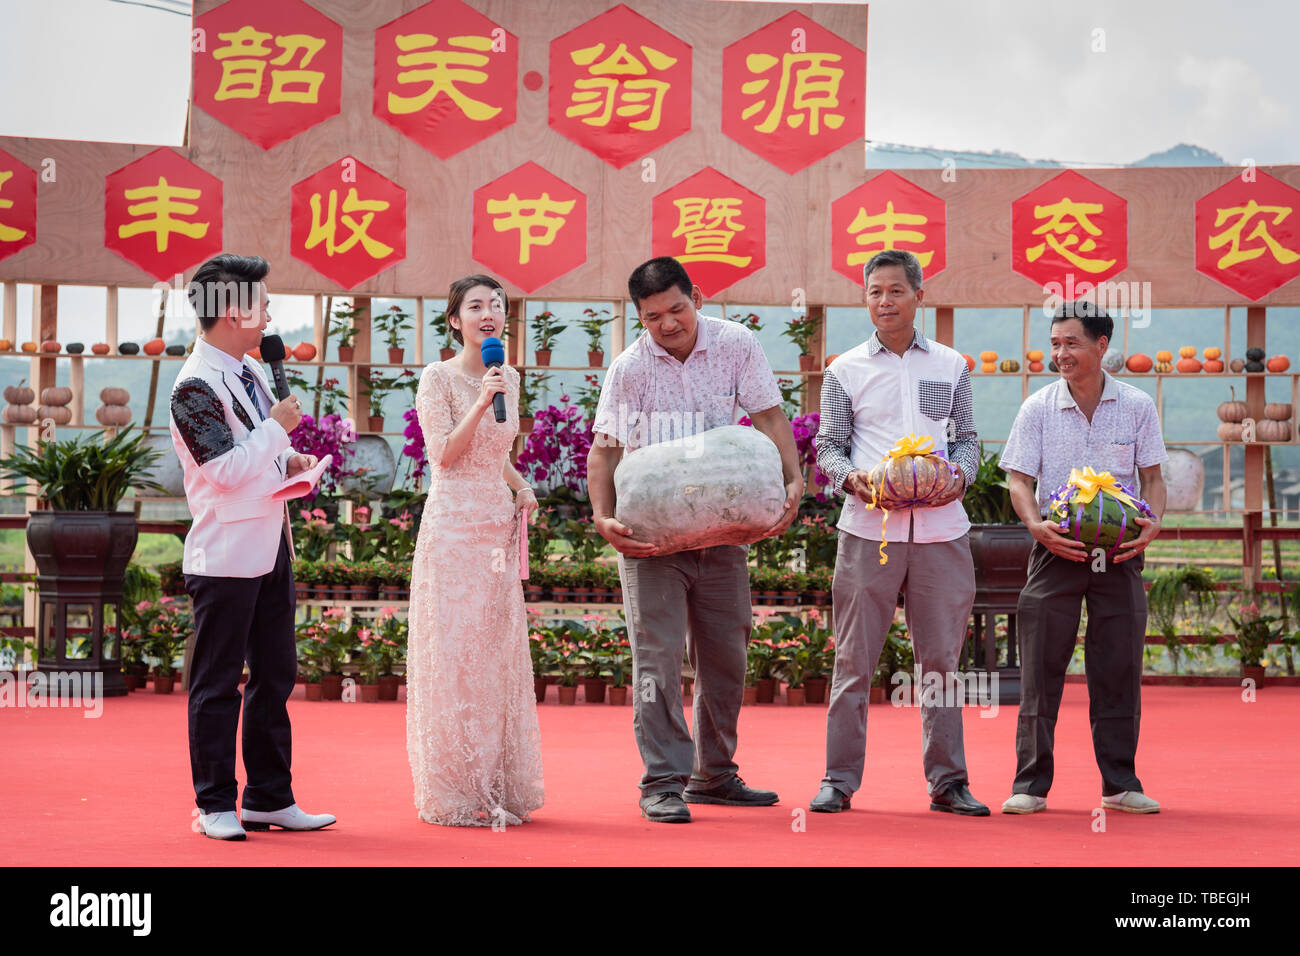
x,y
898,435
686,375
1084,420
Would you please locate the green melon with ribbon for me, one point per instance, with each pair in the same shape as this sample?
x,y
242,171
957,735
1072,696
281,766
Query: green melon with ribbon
x,y
1097,510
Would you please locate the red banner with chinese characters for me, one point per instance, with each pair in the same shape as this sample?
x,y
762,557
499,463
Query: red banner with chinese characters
x,y
620,86
530,226
1248,234
17,205
888,212
446,76
348,222
268,69
793,92
1069,230
163,213
713,226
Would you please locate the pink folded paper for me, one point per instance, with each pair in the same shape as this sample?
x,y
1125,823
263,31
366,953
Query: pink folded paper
x,y
523,545
301,484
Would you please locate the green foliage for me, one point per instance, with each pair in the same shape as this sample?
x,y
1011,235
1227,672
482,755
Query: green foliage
x,y
988,497
341,325
86,473
593,324
392,323
546,329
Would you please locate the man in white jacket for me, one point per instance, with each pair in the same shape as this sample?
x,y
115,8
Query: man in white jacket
x,y
232,439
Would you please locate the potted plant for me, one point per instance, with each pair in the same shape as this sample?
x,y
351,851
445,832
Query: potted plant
x,y
442,329
761,660
79,540
165,626
376,388
341,325
763,582
539,650
821,658
311,656
567,664
392,323
546,329
1180,595
1255,631
393,631
800,331
532,385
593,324
618,662
369,652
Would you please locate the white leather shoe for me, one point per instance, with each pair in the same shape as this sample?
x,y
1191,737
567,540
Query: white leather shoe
x,y
1130,801
290,818
1024,803
221,826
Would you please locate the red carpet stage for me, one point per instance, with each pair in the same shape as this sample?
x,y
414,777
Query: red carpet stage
x,y
116,791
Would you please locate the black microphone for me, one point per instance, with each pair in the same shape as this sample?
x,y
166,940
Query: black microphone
x,y
494,356
273,354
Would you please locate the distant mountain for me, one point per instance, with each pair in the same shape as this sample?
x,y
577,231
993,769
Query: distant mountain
x,y
899,156
1183,154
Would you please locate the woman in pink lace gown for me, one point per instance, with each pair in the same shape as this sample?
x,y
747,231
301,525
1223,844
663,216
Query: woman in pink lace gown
x,y
471,717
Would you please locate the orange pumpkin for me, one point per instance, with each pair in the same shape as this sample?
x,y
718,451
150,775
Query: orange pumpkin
x,y
30,347
154,347
1187,351
306,351
50,346
1035,366
970,362
1034,355
1188,364
1213,353
1278,363
100,348
987,367
988,356
6,345
1137,362
1213,365
1164,356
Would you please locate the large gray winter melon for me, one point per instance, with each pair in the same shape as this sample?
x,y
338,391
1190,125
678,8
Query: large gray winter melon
x,y
721,487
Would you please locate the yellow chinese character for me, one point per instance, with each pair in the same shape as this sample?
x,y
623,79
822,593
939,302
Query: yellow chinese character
x,y
709,225
598,93
1231,236
886,234
526,215
162,203
8,233
1063,218
443,69
299,76
816,88
241,79
323,229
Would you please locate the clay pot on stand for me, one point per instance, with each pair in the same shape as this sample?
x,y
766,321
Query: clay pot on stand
x,y
375,423
568,695
750,696
388,685
794,696
617,696
331,687
807,363
877,694
347,352
543,356
312,691
593,690
1253,673
765,691
395,356
815,690
369,693
595,359
163,684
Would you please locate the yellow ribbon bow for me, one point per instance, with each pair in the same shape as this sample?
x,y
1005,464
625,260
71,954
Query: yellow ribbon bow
x,y
1090,482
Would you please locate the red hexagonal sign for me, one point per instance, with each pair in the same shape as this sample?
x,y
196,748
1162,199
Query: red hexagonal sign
x,y
1069,231
793,92
446,76
713,226
888,212
620,86
1248,234
348,222
17,205
268,70
530,226
163,213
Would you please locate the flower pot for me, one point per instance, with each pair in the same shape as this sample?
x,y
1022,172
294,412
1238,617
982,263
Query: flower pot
x,y
533,593
375,423
794,696
807,363
750,696
388,685
302,592
877,695
819,598
815,690
790,598
446,354
369,693
1253,673
347,352
568,695
312,691
163,685
593,690
539,688
618,696
395,356
765,691
359,592
563,594
331,687
688,687
132,682
543,356
595,359
390,592
525,424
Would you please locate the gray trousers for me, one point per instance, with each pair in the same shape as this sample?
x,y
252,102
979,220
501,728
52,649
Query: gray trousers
x,y
938,585
697,601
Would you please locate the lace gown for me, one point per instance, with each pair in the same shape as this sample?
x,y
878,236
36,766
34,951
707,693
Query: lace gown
x,y
471,717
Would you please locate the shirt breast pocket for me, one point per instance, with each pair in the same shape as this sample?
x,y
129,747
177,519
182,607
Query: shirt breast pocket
x,y
934,399
1122,455
718,410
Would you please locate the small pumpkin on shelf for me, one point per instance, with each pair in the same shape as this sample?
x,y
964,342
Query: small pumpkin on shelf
x,y
1113,361
75,348
306,351
988,367
1273,430
6,345
1188,365
988,356
100,348
1035,366
1010,365
19,415
49,345
1278,411
1232,411
1254,355
1253,366
1139,363
128,348
59,414
20,394
1164,366
154,347
1278,363
1237,365
1164,355
1187,351
175,350
30,347
56,395
1212,365
1034,355
970,362
1213,352
1229,431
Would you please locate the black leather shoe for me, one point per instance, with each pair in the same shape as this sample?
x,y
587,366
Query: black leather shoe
x,y
957,799
828,800
733,793
665,808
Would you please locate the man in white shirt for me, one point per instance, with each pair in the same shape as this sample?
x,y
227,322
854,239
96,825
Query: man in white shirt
x,y
1084,419
898,383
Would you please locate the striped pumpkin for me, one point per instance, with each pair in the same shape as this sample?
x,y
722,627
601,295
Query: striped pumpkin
x,y
915,481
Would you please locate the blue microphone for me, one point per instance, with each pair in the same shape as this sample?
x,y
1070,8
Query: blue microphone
x,y
494,356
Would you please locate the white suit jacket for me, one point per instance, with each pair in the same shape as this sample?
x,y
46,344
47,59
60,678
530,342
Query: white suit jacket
x,y
233,462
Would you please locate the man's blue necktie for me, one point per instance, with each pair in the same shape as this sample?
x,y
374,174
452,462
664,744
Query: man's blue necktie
x,y
246,376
